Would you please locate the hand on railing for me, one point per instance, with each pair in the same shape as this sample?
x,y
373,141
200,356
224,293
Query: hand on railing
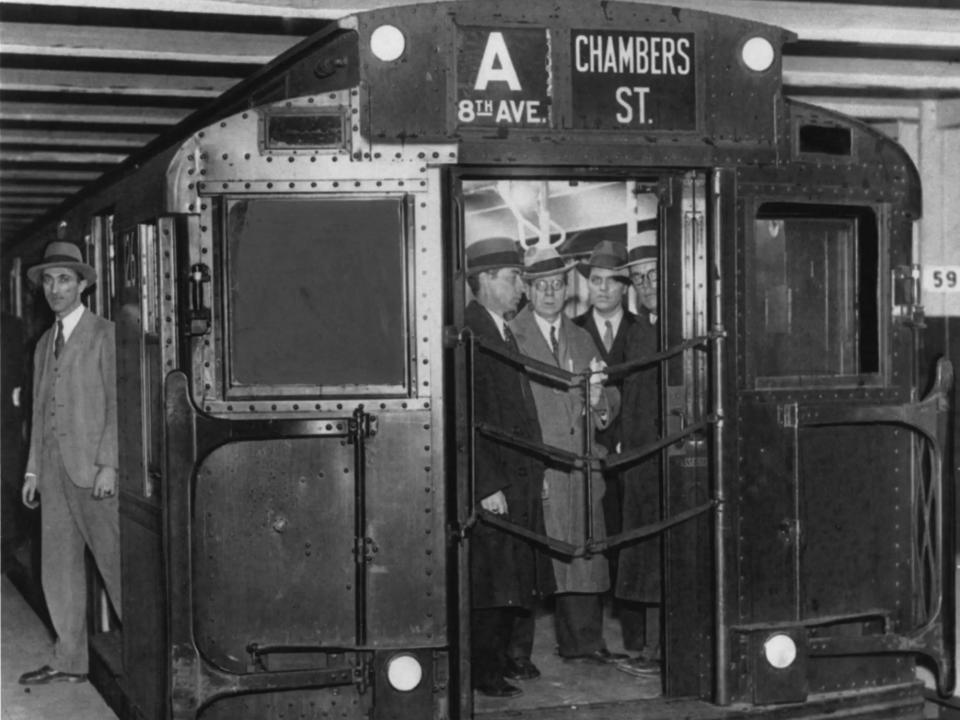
x,y
597,378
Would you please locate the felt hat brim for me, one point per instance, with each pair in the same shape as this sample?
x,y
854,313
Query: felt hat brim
x,y
86,272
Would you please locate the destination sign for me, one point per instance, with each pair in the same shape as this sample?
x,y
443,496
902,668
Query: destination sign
x,y
633,80
503,77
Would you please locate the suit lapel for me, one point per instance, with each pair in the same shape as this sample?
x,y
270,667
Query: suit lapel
x,y
530,338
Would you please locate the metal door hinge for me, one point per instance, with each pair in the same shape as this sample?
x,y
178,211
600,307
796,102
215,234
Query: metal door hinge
x,y
787,415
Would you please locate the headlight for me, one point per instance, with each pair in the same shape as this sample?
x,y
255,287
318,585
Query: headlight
x,y
404,672
758,54
780,651
387,43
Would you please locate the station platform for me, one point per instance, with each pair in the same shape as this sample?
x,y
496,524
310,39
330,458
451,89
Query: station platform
x,y
25,645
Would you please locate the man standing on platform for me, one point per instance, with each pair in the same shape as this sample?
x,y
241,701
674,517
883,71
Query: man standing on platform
x,y
545,333
72,461
503,567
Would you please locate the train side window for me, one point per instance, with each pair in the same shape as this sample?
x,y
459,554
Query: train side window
x,y
317,296
813,295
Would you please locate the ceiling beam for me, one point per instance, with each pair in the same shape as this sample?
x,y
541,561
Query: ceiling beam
x,y
61,191
310,9
833,21
868,108
125,114
113,83
21,38
55,176
61,156
28,201
75,138
857,73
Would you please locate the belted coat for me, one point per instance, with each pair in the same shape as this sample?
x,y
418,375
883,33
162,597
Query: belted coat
x,y
504,567
562,412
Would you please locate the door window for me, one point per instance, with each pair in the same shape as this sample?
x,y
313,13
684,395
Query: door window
x,y
813,295
299,321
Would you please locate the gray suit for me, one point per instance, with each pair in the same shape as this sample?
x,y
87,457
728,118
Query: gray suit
x,y
73,435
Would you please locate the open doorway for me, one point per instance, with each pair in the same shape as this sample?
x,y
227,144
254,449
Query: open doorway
x,y
613,224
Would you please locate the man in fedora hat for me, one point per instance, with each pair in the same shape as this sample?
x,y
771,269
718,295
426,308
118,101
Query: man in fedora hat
x,y
545,333
508,482
72,461
639,583
610,324
608,321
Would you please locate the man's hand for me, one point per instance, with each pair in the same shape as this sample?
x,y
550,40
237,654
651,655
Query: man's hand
x,y
29,492
105,484
496,503
597,378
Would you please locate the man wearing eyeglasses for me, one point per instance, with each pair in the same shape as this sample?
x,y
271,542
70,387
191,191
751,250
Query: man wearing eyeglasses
x,y
546,334
639,584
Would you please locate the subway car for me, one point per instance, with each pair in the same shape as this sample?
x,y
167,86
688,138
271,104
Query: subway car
x,y
287,277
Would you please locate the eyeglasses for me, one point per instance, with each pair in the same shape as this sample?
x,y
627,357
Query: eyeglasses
x,y
644,279
542,285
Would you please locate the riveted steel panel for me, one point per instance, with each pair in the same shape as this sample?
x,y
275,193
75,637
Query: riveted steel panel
x,y
856,520
404,507
766,529
273,547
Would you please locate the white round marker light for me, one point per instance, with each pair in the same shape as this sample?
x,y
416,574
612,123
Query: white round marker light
x,y
780,651
404,672
387,43
758,54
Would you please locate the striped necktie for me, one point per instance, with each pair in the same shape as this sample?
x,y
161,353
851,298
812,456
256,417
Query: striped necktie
x,y
554,343
58,343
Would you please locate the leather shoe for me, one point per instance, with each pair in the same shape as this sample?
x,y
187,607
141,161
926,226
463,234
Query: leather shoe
x,y
521,669
639,667
499,689
47,674
597,657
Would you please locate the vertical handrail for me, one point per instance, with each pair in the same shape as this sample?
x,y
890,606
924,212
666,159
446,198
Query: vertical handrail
x,y
357,434
720,491
588,464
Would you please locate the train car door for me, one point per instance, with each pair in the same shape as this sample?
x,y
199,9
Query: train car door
x,y
147,341
841,521
303,511
574,215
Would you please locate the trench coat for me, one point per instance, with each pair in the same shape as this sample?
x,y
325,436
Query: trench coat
x,y
561,413
504,569
638,569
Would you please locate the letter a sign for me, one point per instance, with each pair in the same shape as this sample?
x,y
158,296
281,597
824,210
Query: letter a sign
x,y
503,77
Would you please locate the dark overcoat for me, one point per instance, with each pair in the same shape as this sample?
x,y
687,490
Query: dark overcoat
x,y
561,411
638,574
504,567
